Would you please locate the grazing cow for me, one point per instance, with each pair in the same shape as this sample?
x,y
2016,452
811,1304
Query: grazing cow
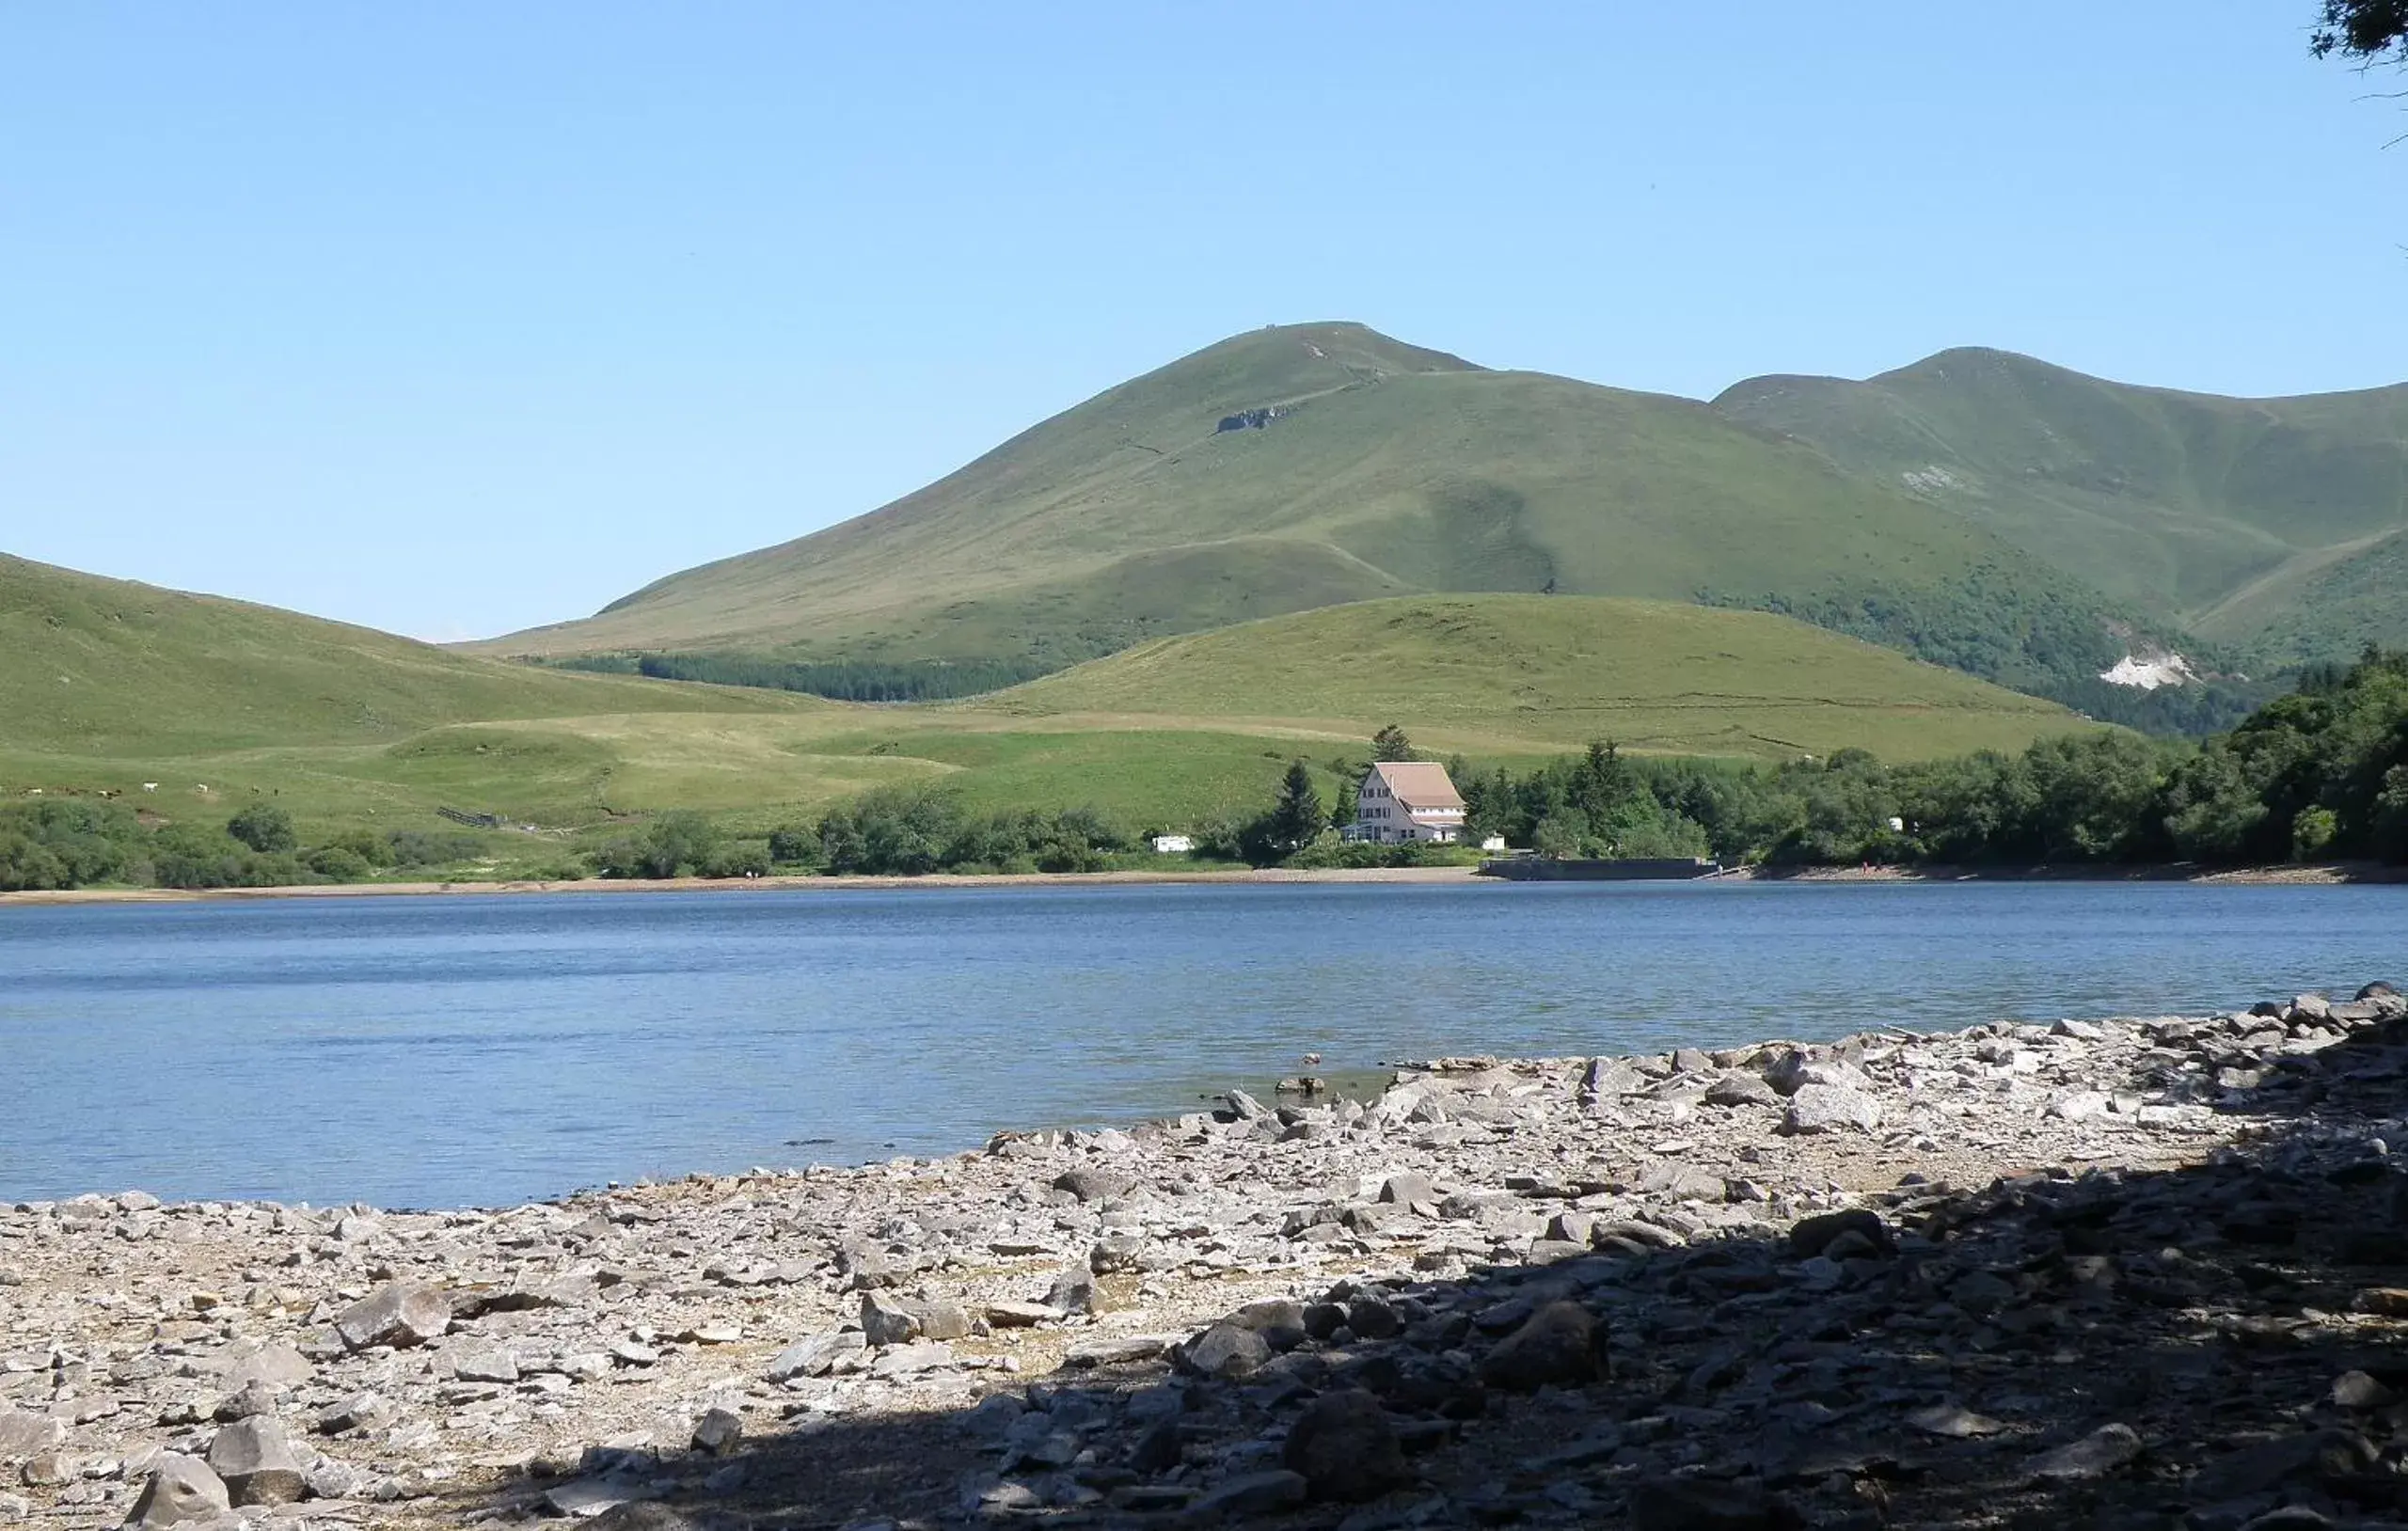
x,y
150,786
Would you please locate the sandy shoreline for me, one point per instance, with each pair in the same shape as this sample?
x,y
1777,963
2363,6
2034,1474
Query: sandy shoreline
x,y
2333,876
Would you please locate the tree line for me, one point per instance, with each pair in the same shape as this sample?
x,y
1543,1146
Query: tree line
x,y
2319,774
847,679
62,842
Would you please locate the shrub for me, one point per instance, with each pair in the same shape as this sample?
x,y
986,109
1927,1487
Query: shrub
x,y
797,845
424,847
264,827
340,863
737,861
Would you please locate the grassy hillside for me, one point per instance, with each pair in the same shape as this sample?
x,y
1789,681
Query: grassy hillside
x,y
106,667
1530,673
223,703
1386,470
2222,511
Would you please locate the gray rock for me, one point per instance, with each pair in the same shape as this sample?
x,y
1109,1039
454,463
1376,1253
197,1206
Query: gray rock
x,y
1562,1345
180,1491
2077,1105
1703,1505
816,1355
1251,1493
277,1365
361,1410
1116,1253
1114,1352
1020,1315
47,1471
1828,1108
587,1497
1074,1291
718,1430
1089,1183
910,1360
23,1434
1739,1089
899,1321
15,1507
1345,1448
1373,1318
256,1398
1279,1320
651,1515
889,1320
257,1463
485,1364
330,1479
1954,1421
2357,1390
1405,1189
401,1314
1812,1235
2096,1455
1224,1350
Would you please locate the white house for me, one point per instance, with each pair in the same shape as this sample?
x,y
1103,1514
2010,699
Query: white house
x,y
1407,799
1173,844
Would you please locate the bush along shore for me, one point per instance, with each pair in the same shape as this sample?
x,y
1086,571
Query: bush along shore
x,y
2131,1272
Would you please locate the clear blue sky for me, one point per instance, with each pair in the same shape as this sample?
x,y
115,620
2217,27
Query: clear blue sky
x,y
452,318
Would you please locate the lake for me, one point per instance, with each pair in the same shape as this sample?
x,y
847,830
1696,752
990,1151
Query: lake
x,y
488,1050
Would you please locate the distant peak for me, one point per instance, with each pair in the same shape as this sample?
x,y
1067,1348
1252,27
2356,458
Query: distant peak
x,y
1348,342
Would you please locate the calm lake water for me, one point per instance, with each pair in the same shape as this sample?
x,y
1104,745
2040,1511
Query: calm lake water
x,y
438,1051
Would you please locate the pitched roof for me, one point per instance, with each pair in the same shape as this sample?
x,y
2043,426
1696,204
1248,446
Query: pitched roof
x,y
1419,784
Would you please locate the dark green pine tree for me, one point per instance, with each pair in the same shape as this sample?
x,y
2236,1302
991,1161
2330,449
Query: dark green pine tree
x,y
1390,744
1297,821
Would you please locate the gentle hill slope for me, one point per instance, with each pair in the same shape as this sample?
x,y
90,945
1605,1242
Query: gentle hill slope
x,y
1534,672
2217,510
1386,469
106,667
114,684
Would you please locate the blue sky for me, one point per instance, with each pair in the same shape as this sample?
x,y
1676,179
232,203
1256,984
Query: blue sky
x,y
455,319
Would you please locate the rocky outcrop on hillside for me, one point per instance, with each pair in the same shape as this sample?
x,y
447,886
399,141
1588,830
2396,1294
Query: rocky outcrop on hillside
x,y
2141,1272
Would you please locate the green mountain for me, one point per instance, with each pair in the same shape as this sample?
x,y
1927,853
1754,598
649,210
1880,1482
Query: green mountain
x,y
2244,519
1301,466
108,668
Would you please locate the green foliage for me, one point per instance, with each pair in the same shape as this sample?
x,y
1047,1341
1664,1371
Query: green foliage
x,y
797,845
429,847
264,827
681,843
903,831
1296,818
2320,773
2025,634
1361,854
1390,744
338,863
847,679
2368,29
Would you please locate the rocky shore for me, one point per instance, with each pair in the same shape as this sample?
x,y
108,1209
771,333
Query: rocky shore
x,y
2134,1271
